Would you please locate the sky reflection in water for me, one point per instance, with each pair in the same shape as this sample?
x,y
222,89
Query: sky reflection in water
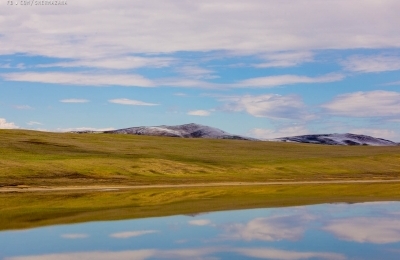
x,y
327,231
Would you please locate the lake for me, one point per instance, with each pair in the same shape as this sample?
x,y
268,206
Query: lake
x,y
325,231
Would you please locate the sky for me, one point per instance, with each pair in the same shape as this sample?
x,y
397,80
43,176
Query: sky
x,y
261,68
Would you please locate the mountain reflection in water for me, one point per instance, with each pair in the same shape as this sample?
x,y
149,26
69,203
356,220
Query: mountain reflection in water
x,y
326,231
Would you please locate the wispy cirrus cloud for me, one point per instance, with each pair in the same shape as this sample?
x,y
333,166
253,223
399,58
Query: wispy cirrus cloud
x,y
129,234
34,123
135,80
394,83
82,79
196,72
131,102
274,81
285,59
74,100
9,66
199,113
200,222
374,63
180,94
23,107
123,62
377,103
74,236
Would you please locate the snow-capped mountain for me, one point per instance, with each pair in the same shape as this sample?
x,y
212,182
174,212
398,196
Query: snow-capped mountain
x,y
201,131
338,139
183,131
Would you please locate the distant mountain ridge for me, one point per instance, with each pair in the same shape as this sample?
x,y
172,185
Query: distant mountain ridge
x,y
193,130
184,131
338,139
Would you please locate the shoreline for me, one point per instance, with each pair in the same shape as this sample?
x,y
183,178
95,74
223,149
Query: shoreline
x,y
25,188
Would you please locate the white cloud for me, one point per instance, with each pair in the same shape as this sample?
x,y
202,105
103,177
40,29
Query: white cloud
x,y
376,63
366,104
270,253
270,106
74,236
273,228
285,59
74,100
129,234
7,125
280,132
253,26
366,230
200,222
81,79
131,102
273,81
199,113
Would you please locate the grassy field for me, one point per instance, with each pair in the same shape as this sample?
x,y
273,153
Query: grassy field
x,y
27,210
40,158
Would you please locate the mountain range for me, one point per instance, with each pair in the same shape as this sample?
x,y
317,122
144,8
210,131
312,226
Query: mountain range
x,y
338,139
201,131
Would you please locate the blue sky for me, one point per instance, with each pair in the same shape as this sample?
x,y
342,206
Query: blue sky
x,y
265,69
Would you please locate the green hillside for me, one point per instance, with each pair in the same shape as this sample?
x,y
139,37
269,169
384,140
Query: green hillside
x,y
41,158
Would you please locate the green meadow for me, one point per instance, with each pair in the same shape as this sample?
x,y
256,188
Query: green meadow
x,y
53,159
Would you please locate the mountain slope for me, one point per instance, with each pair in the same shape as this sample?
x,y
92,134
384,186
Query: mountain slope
x,y
338,139
183,131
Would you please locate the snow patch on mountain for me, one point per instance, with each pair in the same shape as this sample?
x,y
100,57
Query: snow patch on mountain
x,y
184,131
338,139
201,131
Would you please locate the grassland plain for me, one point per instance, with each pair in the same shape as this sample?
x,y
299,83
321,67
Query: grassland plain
x,y
52,159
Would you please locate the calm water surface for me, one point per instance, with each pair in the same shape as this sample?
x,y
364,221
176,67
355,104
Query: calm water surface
x,y
327,231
